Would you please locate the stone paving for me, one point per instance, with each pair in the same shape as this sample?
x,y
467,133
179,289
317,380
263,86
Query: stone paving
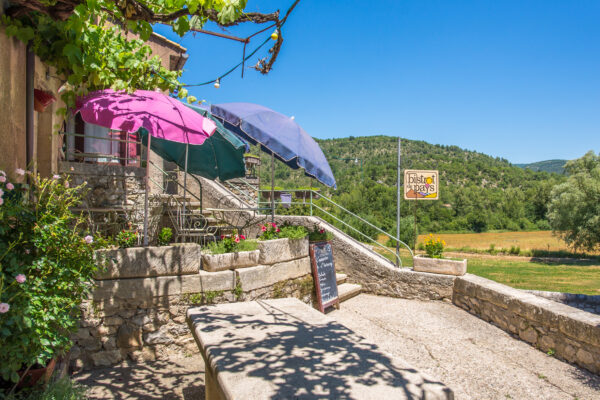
x,y
476,359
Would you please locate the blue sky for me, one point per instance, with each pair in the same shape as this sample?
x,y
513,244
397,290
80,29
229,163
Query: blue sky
x,y
515,79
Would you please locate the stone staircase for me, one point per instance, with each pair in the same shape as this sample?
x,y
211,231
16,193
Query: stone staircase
x,y
346,290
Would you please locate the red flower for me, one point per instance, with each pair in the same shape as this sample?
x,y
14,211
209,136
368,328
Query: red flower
x,y
242,237
222,237
322,231
278,230
263,228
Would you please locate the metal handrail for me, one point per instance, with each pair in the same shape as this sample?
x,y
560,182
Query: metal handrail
x,y
314,205
166,174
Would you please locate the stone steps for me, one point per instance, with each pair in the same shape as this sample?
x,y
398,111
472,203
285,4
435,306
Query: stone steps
x,y
348,290
341,278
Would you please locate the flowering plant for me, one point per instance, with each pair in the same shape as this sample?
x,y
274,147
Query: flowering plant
x,y
269,231
127,239
232,244
318,234
434,247
47,266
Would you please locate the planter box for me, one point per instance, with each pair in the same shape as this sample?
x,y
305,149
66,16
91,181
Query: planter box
x,y
144,262
440,266
281,250
226,261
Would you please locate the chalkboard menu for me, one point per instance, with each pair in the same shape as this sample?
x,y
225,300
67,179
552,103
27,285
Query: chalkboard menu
x,y
323,268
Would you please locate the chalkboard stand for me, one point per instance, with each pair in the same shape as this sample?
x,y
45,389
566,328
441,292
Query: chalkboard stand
x,y
335,302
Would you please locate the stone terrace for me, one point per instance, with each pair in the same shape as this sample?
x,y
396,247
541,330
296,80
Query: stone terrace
x,y
476,359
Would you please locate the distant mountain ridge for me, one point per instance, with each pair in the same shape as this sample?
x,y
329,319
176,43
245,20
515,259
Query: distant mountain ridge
x,y
556,166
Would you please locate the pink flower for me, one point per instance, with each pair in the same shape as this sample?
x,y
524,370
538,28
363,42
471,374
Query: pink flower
x,y
20,278
66,184
10,186
273,225
222,237
322,231
263,228
88,239
20,171
4,307
237,239
278,230
242,237
56,177
2,179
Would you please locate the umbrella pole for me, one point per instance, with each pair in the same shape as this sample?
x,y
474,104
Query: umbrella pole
x,y
187,146
398,206
272,187
147,191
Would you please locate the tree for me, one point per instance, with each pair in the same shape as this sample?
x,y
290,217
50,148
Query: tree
x,y
574,209
75,37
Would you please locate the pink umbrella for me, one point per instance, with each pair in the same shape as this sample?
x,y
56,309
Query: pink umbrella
x,y
162,116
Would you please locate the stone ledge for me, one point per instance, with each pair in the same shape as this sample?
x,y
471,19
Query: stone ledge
x,y
439,266
142,262
222,262
281,250
266,275
163,286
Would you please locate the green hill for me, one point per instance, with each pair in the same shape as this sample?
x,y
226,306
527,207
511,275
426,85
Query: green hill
x,y
478,192
556,166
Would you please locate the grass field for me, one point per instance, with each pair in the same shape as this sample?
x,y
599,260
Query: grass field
x,y
571,276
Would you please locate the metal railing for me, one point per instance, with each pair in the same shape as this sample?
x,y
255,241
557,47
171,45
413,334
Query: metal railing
x,y
314,195
245,190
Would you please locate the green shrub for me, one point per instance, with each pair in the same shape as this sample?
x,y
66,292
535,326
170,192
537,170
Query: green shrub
x,y
47,265
165,236
231,244
126,239
318,234
270,231
62,389
514,250
292,232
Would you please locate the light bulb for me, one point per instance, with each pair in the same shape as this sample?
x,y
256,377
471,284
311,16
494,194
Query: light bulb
x,y
275,34
217,83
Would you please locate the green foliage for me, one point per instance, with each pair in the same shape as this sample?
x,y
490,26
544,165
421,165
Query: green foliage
x,y
62,389
271,231
555,166
318,234
232,244
46,270
126,239
165,236
478,193
407,233
574,210
90,51
434,247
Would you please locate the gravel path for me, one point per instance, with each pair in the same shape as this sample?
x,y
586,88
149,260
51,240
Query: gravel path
x,y
476,359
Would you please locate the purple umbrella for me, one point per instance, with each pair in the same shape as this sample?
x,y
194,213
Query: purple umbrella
x,y
162,116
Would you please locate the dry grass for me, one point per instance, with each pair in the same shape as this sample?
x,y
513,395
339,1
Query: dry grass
x,y
538,240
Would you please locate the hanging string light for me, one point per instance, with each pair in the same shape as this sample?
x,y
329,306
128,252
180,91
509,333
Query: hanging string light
x,y
218,83
275,34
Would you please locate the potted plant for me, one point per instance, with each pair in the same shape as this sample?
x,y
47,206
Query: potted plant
x,y
47,265
434,261
280,244
230,252
318,234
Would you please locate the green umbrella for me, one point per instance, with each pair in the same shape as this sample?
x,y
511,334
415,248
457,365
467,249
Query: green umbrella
x,y
220,156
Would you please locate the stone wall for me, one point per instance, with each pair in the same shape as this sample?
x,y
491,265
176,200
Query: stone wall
x,y
137,310
582,301
374,272
565,332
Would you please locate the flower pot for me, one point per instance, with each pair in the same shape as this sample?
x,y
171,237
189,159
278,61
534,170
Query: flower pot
x,y
281,250
35,375
440,265
222,262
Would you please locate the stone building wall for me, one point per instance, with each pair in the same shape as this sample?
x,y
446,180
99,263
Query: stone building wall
x,y
562,331
137,310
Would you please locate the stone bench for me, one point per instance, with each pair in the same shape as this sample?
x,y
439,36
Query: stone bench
x,y
284,349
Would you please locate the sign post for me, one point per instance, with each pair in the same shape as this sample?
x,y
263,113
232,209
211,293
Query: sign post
x,y
421,185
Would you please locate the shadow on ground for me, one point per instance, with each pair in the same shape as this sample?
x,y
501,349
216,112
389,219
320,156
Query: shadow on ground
x,y
173,379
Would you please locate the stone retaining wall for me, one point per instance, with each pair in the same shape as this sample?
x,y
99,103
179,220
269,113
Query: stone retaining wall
x,y
137,310
582,301
565,332
374,272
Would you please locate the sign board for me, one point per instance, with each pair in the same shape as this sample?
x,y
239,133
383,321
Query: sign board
x,y
323,269
421,185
